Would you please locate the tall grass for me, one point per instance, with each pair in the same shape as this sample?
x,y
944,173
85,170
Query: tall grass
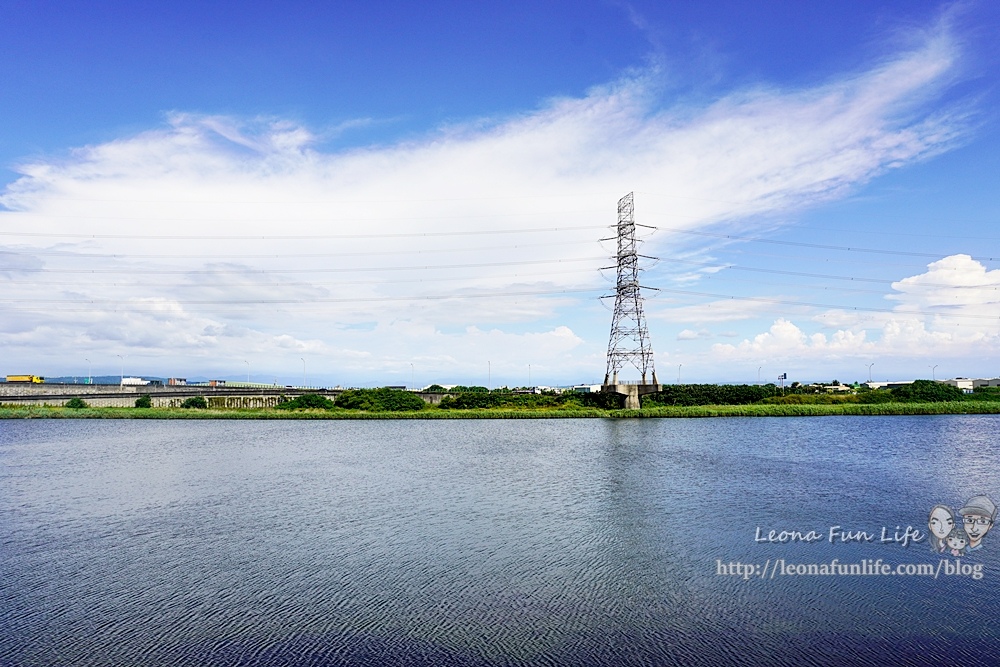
x,y
755,410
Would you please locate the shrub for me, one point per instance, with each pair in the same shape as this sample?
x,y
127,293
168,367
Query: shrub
x,y
198,402
604,400
875,396
380,400
436,388
76,403
307,402
927,391
709,394
144,401
810,399
986,394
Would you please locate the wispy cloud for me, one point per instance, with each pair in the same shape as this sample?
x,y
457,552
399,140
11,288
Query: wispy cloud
x,y
245,225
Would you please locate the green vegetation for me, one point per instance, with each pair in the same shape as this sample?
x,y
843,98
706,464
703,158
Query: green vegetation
x,y
709,394
436,388
927,391
811,399
920,397
380,400
505,399
306,402
567,411
876,396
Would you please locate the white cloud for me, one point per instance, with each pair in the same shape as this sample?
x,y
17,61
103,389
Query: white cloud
x,y
223,184
954,286
688,334
950,312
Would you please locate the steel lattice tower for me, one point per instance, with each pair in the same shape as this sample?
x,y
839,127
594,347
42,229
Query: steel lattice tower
x,y
629,341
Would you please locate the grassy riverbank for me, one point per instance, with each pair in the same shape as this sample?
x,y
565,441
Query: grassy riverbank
x,y
755,410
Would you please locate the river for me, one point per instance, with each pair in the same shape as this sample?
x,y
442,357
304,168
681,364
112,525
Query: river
x,y
493,542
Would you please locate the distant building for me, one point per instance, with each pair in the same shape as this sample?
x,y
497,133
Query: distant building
x,y
888,385
586,388
216,383
177,382
965,384
134,382
991,382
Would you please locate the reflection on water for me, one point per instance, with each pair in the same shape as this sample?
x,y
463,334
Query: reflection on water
x,y
572,542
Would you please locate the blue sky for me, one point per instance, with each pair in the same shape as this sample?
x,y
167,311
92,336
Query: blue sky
x,y
414,192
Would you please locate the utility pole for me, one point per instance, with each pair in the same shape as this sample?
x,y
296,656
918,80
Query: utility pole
x,y
121,383
870,371
303,372
629,340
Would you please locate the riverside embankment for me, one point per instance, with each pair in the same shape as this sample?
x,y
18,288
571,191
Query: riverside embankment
x,y
697,411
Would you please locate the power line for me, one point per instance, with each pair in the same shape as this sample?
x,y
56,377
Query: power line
x,y
188,285
820,275
814,245
132,271
294,237
826,305
323,255
241,302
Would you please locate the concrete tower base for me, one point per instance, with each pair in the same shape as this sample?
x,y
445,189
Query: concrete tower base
x,y
631,392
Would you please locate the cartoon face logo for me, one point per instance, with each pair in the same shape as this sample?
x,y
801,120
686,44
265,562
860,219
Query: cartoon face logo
x,y
941,521
977,518
957,540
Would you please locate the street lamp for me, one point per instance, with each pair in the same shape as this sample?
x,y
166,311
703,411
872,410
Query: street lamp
x,y
122,381
90,379
248,370
489,375
529,376
303,372
411,377
679,373
933,377
870,371
758,374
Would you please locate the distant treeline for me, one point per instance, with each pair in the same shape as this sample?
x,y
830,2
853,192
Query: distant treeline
x,y
709,394
507,399
683,395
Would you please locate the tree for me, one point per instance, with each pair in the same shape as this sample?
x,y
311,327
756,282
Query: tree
x,y
927,390
76,403
197,402
380,400
144,401
306,402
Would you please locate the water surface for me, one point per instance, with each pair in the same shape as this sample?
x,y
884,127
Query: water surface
x,y
468,542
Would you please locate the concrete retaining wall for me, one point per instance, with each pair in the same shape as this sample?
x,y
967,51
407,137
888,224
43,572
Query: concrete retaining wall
x,y
113,396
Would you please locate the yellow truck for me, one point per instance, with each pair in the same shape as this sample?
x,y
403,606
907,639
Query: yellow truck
x,y
34,379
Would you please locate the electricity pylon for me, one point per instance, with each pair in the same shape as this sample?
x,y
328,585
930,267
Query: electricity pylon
x,y
629,342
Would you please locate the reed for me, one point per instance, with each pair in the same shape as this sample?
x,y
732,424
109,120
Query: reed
x,y
694,411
